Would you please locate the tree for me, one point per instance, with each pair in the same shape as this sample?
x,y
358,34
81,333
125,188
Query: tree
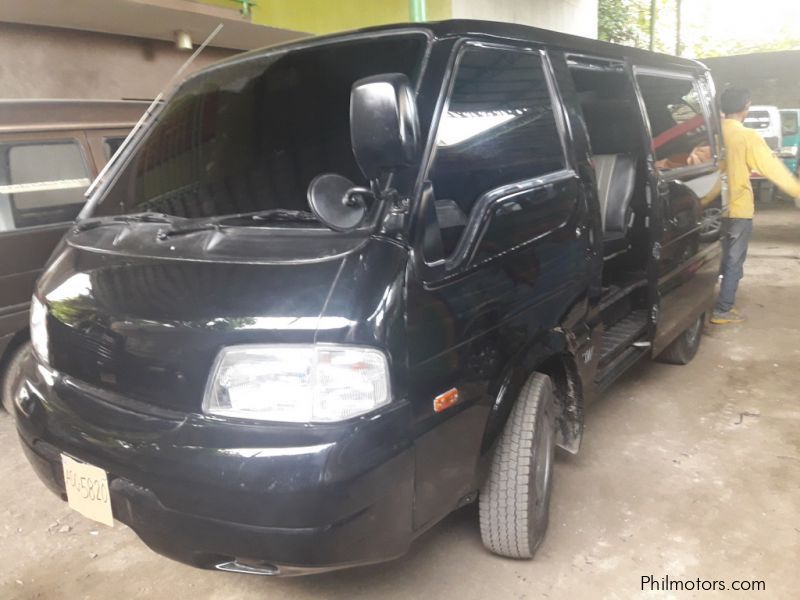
x,y
628,22
622,22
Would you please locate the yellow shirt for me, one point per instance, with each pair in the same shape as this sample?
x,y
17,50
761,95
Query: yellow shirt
x,y
747,151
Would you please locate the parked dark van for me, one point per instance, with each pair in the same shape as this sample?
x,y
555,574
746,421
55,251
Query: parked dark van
x,y
49,152
339,288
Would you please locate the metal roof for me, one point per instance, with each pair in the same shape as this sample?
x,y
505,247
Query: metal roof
x,y
495,31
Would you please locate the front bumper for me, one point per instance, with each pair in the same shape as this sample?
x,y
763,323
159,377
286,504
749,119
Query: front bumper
x,y
218,493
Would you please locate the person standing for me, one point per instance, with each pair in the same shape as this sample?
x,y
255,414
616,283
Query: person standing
x,y
745,151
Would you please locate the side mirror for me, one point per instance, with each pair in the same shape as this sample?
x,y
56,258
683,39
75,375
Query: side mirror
x,y
336,202
384,126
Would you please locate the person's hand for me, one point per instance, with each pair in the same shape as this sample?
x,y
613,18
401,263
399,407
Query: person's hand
x,y
700,155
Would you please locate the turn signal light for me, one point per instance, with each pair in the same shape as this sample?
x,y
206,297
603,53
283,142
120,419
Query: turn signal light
x,y
445,401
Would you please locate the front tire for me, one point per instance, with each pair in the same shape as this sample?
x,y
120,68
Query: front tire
x,y
9,376
515,500
683,349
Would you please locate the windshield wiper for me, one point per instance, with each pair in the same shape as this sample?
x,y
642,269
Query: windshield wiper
x,y
148,217
274,215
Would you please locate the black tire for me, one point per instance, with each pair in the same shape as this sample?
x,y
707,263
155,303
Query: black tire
x,y
683,349
515,500
9,376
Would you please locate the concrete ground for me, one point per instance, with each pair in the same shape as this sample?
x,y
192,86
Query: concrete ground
x,y
687,472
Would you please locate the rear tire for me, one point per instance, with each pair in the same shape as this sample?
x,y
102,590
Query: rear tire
x,y
9,376
683,349
711,224
515,500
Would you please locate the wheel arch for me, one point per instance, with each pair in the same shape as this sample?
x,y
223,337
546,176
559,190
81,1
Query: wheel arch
x,y
551,356
17,340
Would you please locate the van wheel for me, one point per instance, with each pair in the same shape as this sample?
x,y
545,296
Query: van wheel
x,y
515,500
9,376
711,224
683,349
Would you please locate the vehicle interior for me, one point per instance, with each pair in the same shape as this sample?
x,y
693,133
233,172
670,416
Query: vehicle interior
x,y
613,122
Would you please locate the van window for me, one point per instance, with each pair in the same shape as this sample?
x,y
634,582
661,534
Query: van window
x,y
789,123
41,183
757,119
251,135
498,128
678,121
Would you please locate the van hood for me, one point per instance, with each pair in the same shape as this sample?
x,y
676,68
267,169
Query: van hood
x,y
148,329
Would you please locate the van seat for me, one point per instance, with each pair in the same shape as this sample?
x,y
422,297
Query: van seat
x,y
616,175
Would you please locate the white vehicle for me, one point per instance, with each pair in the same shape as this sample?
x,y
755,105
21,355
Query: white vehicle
x,y
767,121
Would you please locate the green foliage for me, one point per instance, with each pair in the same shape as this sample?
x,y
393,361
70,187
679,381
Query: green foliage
x,y
628,22
624,22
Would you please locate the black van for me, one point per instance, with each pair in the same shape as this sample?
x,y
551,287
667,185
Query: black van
x,y
49,152
339,288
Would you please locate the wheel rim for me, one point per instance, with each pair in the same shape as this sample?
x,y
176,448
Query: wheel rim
x,y
543,455
712,221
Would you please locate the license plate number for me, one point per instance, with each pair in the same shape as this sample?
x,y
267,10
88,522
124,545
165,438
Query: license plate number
x,y
87,490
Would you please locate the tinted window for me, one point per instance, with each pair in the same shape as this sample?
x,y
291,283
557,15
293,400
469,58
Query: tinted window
x,y
41,183
251,135
677,121
499,128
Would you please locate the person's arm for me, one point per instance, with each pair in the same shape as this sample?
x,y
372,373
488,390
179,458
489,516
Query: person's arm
x,y
761,159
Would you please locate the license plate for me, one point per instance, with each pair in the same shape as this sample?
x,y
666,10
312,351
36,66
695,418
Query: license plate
x,y
87,490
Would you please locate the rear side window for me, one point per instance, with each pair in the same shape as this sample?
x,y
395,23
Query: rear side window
x,y
678,121
757,119
498,128
41,183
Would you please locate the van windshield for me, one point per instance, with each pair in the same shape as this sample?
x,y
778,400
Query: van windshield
x,y
249,136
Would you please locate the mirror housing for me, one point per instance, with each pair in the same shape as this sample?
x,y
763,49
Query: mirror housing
x,y
337,202
384,126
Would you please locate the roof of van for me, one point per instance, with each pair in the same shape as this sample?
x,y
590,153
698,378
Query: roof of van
x,y
498,31
50,115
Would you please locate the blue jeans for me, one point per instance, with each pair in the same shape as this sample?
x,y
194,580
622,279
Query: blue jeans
x,y
735,236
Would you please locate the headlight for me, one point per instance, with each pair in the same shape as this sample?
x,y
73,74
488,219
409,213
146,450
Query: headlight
x,y
300,384
39,330
788,152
